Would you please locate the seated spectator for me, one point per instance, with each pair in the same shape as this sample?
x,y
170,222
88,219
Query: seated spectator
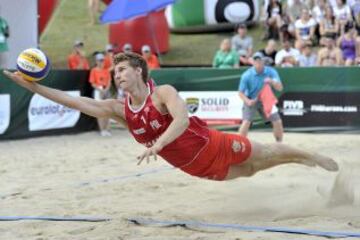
x,y
342,13
307,57
100,80
318,11
127,48
151,59
288,56
355,10
295,10
77,59
329,55
269,53
108,60
329,26
347,44
273,19
305,29
225,57
242,44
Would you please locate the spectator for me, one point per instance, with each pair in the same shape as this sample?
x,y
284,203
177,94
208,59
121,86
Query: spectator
x,y
342,13
100,80
127,48
305,29
77,59
269,53
93,6
4,34
242,44
355,9
318,11
273,19
330,55
347,44
225,57
295,10
288,56
256,93
151,59
108,60
307,57
329,26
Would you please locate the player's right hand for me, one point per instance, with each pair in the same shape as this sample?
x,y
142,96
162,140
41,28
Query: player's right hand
x,y
250,102
17,78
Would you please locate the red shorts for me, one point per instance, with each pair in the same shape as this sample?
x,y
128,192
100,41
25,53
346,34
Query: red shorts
x,y
222,151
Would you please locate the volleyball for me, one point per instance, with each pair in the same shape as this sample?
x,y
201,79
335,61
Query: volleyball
x,y
33,64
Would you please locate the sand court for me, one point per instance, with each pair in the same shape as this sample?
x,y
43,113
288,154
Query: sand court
x,y
86,175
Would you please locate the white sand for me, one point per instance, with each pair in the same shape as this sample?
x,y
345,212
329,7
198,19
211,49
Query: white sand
x,y
42,177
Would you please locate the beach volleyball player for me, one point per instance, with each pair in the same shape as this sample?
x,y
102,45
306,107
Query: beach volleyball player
x,y
157,118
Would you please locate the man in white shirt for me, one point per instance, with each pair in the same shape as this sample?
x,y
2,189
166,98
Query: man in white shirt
x,y
288,56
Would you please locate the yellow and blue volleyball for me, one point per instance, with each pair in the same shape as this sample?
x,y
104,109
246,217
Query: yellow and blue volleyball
x,y
33,64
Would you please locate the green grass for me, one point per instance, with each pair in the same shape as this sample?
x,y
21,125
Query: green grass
x,y
71,22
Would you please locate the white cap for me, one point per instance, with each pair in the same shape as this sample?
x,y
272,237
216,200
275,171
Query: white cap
x,y
109,47
99,57
127,47
145,48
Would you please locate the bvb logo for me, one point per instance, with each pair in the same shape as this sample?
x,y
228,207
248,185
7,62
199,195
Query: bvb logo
x,y
192,104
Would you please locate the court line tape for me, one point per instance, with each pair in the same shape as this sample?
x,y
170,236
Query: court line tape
x,y
51,218
124,177
202,225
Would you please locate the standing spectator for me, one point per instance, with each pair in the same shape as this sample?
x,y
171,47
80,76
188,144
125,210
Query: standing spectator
x,y
93,6
225,57
273,19
347,44
307,57
305,29
269,53
100,80
342,13
329,26
288,56
127,48
256,93
330,55
108,60
4,35
77,59
242,44
150,58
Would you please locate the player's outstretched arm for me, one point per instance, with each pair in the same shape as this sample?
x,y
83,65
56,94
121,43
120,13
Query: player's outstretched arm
x,y
98,109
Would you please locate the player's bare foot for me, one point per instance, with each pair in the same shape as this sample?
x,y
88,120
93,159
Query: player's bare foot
x,y
327,163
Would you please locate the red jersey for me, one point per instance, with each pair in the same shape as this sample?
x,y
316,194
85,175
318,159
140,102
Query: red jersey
x,y
147,124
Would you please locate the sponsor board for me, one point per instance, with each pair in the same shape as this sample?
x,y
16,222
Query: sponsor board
x,y
4,112
44,114
311,109
214,107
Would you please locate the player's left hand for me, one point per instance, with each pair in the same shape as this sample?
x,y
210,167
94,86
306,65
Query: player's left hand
x,y
152,151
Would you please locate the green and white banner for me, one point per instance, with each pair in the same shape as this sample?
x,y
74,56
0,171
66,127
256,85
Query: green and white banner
x,y
190,13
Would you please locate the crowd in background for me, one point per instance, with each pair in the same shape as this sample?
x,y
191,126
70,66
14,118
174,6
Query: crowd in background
x,y
310,33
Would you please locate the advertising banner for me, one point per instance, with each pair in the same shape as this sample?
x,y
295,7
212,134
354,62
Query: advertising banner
x,y
4,112
216,108
44,114
319,109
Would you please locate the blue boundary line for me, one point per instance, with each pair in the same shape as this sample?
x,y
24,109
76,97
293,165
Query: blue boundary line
x,y
189,224
125,177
